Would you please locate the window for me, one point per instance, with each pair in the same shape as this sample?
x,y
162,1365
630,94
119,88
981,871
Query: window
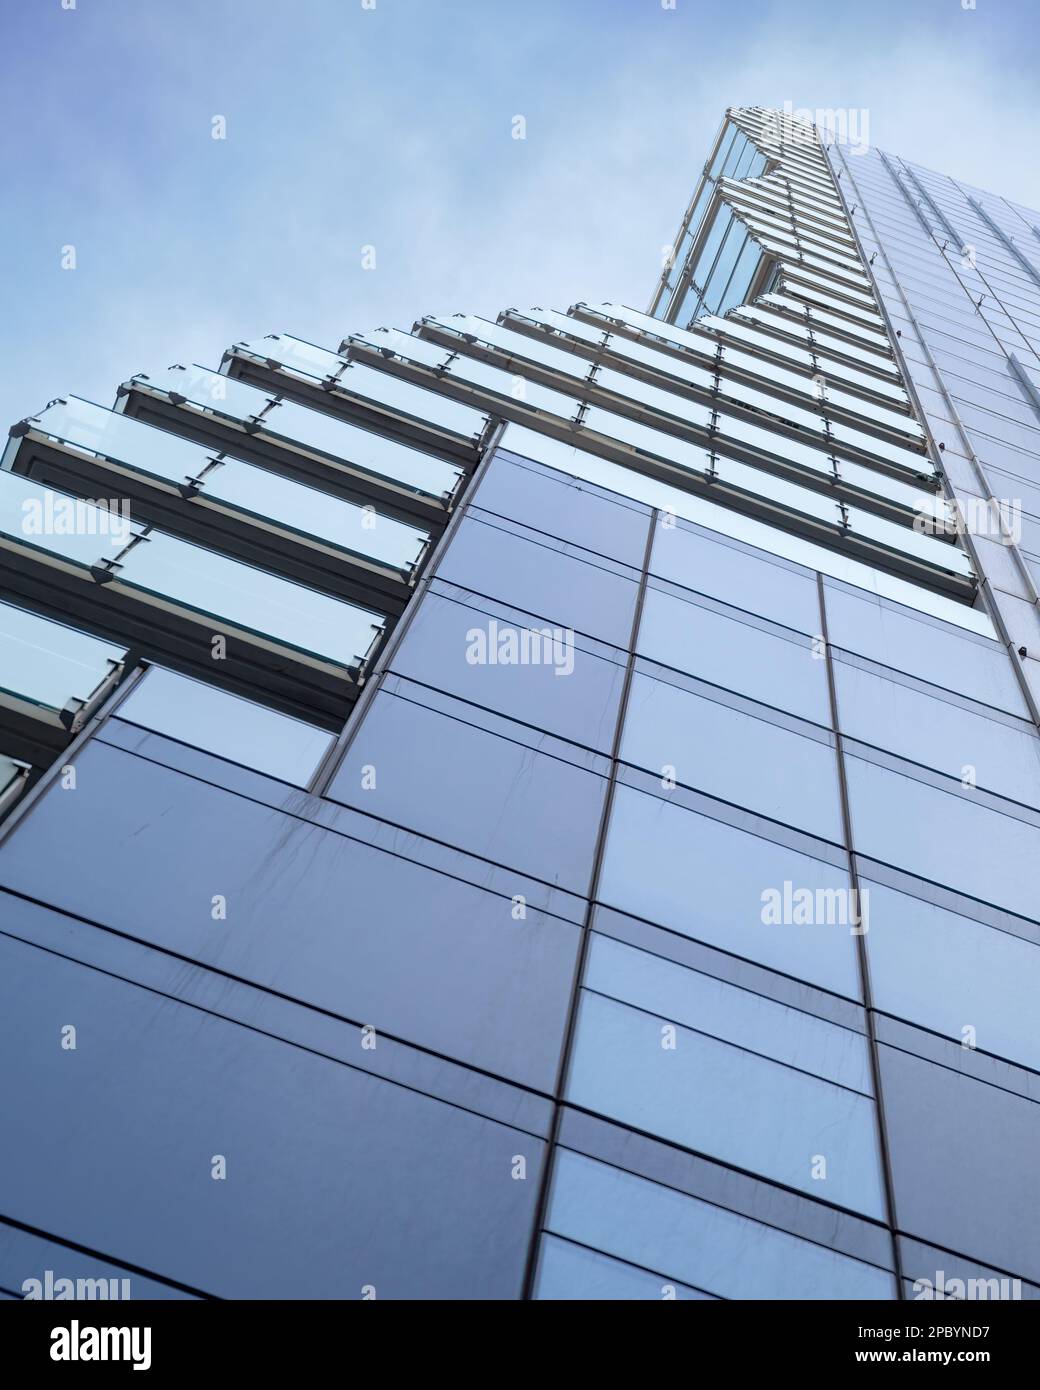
x,y
932,651
746,580
502,792
706,879
715,1097
239,730
951,974
949,737
945,837
733,756
705,1246
541,577
778,671
568,1271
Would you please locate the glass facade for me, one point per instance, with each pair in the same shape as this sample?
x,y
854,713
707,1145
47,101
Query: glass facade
x,y
545,809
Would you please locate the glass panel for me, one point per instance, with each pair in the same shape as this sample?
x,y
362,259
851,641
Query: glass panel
x,y
562,507
359,530
963,979
712,882
313,430
735,655
562,323
49,664
314,915
727,1012
567,1271
729,136
224,724
478,654
985,1202
631,388
521,345
720,1100
427,406
731,755
513,386
939,734
771,443
941,554
59,524
542,579
310,1135
406,345
383,388
497,797
980,852
257,491
706,1246
747,581
302,357
651,441
251,598
899,638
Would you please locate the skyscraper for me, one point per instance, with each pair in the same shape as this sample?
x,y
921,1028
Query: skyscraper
x,y
547,808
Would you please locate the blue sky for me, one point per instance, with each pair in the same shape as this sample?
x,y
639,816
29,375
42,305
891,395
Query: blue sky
x,y
391,127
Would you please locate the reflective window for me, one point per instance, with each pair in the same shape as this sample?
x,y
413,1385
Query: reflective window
x,y
719,1099
49,664
964,1162
568,1271
713,748
239,730
729,888
736,576
941,655
727,1012
252,490
736,655
539,577
311,429
705,1246
560,506
343,1179
310,913
939,734
958,977
980,852
494,796
513,664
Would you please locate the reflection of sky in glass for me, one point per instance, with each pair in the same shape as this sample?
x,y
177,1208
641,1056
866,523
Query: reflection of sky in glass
x,y
208,582
251,598
48,663
225,724
380,387
312,429
251,488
